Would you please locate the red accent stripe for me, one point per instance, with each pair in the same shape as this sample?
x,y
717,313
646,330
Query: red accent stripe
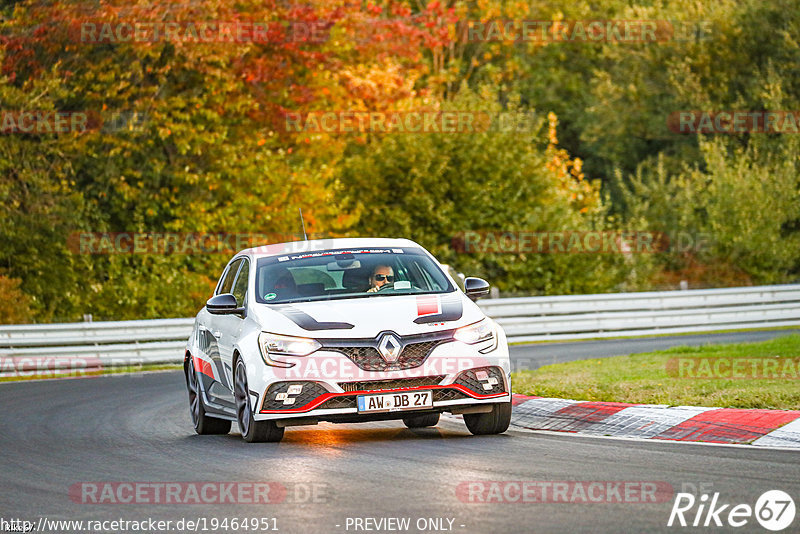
x,y
428,305
203,367
322,398
584,414
729,425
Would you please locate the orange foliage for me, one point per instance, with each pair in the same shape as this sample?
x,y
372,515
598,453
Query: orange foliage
x,y
15,306
582,194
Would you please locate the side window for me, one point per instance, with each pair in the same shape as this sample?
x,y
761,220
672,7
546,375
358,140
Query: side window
x,y
221,280
457,277
240,287
227,284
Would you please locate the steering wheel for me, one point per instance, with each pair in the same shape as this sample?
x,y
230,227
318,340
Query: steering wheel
x,y
391,286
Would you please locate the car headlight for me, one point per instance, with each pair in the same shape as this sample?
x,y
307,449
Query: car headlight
x,y
475,333
276,344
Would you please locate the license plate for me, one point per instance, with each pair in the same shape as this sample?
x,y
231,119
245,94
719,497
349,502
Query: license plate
x,y
393,402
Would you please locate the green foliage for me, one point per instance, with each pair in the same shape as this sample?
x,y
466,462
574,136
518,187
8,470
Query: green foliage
x,y
432,187
739,207
208,154
729,205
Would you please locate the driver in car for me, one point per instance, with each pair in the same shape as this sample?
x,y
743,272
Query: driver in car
x,y
381,275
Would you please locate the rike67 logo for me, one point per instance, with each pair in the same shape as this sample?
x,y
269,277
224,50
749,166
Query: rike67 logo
x,y
774,510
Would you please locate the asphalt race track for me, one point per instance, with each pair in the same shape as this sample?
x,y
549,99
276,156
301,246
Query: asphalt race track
x,y
533,356
56,435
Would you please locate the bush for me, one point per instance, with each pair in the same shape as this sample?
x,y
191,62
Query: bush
x,y
433,187
15,306
734,219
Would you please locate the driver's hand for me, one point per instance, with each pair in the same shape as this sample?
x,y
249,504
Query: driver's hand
x,y
373,289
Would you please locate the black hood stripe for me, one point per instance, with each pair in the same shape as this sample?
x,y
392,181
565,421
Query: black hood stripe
x,y
306,322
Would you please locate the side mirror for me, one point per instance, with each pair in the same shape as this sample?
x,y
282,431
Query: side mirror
x,y
475,288
224,304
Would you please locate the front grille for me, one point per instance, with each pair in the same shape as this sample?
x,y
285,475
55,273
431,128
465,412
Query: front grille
x,y
336,403
448,394
309,392
377,385
491,384
369,359
350,401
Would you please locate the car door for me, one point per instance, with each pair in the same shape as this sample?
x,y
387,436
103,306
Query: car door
x,y
229,327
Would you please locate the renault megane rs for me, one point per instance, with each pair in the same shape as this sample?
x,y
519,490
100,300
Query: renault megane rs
x,y
344,330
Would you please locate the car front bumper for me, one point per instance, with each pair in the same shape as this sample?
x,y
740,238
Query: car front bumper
x,y
324,400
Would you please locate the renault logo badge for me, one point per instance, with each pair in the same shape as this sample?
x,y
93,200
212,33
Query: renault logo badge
x,y
390,348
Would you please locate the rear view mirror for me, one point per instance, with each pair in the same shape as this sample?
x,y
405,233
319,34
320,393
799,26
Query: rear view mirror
x,y
475,288
343,265
224,304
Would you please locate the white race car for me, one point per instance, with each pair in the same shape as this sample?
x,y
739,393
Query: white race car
x,y
344,330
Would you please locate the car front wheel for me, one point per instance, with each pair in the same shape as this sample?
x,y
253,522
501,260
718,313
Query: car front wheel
x,y
494,422
203,424
252,431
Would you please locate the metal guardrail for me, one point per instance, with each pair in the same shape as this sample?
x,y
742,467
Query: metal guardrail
x,y
98,345
634,314
76,348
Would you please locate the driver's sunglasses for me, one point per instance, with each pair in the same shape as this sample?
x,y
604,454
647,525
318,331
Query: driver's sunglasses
x,y
381,277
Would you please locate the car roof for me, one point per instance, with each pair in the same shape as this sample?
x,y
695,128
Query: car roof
x,y
295,247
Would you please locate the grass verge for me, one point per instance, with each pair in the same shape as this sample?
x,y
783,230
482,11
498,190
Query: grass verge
x,y
648,336
740,375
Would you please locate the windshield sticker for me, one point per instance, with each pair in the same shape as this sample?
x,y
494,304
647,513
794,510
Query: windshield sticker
x,y
270,296
444,309
337,252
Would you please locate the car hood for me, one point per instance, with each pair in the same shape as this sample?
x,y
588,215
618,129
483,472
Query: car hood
x,y
367,317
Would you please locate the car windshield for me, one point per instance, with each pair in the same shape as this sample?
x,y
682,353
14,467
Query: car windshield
x,y
348,273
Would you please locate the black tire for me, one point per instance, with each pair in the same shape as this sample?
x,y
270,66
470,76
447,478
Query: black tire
x,y
252,431
203,424
494,422
421,421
